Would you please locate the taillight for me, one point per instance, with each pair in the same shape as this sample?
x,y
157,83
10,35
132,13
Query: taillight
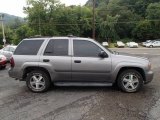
x,y
2,59
12,62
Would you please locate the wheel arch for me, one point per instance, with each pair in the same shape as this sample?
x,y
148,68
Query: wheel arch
x,y
140,70
33,68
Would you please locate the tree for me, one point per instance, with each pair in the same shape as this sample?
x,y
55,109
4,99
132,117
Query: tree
x,y
22,32
41,16
49,17
107,27
153,11
144,30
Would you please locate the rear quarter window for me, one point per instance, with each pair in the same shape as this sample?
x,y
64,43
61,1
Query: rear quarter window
x,y
28,47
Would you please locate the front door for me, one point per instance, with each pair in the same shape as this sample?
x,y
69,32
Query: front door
x,y
87,65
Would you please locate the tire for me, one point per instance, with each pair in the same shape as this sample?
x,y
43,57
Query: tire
x,y
2,67
130,81
38,81
151,46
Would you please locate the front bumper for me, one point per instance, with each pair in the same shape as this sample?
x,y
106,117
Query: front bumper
x,y
149,77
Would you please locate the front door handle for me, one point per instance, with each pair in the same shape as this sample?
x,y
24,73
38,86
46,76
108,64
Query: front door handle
x,y
45,60
77,61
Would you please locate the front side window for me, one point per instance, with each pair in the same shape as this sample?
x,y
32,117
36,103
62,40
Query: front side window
x,y
28,47
83,48
57,47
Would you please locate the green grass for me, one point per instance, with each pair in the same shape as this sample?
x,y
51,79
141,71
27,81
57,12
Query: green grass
x,y
111,45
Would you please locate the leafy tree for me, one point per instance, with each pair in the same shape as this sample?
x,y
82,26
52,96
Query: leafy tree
x,y
131,19
153,11
40,16
107,27
22,32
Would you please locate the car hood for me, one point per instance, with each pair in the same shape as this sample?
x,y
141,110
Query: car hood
x,y
120,44
129,57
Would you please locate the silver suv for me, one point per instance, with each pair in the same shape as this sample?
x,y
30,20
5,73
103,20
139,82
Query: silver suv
x,y
74,61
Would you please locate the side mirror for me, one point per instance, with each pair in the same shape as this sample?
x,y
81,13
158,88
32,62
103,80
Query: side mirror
x,y
103,54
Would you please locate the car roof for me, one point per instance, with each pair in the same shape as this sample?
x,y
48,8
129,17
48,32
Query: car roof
x,y
14,46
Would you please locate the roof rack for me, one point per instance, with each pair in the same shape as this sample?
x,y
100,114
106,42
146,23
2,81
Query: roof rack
x,y
71,35
39,36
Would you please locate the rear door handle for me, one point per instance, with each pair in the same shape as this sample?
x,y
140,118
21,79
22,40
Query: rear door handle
x,y
45,60
77,61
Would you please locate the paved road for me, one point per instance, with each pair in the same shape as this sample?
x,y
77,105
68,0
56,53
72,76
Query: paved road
x,y
82,103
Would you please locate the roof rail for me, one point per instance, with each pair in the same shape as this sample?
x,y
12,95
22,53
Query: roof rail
x,y
39,36
71,35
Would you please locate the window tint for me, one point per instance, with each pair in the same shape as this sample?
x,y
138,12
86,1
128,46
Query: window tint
x,y
57,48
84,48
28,47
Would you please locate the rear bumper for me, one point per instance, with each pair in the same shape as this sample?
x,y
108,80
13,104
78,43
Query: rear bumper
x,y
3,63
149,77
13,74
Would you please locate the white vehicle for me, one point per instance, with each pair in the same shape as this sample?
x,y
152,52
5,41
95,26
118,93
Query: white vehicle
x,y
120,44
105,44
132,44
153,44
8,51
147,41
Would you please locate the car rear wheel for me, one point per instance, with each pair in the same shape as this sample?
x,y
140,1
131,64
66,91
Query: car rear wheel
x,y
151,46
2,67
130,81
38,81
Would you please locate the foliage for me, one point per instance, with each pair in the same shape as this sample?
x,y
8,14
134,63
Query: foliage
x,y
126,20
107,27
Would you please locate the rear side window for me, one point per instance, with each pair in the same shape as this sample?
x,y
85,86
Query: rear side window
x,y
28,47
57,47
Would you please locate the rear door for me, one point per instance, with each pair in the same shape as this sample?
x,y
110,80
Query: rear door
x,y
26,54
87,65
56,57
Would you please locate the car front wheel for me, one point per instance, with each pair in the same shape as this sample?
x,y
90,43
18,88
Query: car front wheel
x,y
38,81
130,81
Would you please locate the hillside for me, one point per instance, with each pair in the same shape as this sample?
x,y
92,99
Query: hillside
x,y
8,19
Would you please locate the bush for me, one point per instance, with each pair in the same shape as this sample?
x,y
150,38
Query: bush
x,y
112,45
125,40
1,46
